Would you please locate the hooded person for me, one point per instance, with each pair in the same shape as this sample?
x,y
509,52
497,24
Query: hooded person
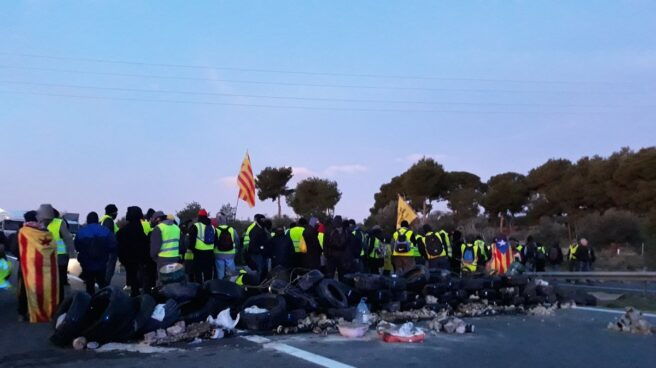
x,y
38,262
338,256
94,243
255,246
165,245
281,249
311,259
133,253
202,235
47,215
225,247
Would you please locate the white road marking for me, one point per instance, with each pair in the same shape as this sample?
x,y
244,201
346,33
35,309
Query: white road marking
x,y
612,311
298,353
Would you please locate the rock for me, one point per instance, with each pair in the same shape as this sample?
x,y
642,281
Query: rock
x,y
542,311
150,337
161,333
631,321
431,299
79,343
175,330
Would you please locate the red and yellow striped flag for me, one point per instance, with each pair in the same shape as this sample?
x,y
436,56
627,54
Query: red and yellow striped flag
x,y
246,182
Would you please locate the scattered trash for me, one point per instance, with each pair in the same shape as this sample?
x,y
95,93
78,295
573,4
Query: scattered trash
x,y
542,311
450,325
224,320
179,333
135,348
540,282
362,314
79,343
255,310
217,333
177,329
159,313
60,319
631,321
405,316
407,333
352,330
431,299
93,345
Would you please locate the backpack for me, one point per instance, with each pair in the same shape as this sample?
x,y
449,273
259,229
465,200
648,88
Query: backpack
x,y
402,244
209,235
338,240
433,246
468,256
224,242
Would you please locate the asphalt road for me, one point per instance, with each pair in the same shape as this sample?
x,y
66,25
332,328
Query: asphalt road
x,y
571,338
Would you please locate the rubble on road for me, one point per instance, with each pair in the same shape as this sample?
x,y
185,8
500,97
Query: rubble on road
x,y
179,333
632,322
542,311
479,309
405,316
450,325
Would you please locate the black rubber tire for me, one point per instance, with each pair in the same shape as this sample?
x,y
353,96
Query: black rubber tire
x,y
489,295
171,315
380,297
278,286
351,293
546,290
110,310
146,305
417,277
175,273
274,316
439,276
294,316
279,273
180,292
198,310
394,283
496,282
516,280
391,307
366,282
297,299
447,298
454,283
349,279
583,298
75,307
413,304
225,290
347,314
331,294
309,280
435,289
461,295
474,284
530,291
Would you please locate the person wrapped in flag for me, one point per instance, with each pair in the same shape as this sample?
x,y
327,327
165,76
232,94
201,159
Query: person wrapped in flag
x,y
501,256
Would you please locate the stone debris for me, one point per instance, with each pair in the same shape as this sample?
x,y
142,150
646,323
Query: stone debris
x,y
317,323
632,322
179,333
485,309
450,325
79,343
177,329
405,316
431,299
542,311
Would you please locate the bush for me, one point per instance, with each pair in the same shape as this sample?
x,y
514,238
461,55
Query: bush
x,y
614,226
549,232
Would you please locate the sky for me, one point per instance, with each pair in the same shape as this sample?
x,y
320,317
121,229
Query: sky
x,y
154,103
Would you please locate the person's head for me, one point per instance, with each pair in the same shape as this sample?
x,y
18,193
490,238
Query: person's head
x,y
377,231
202,214
478,237
134,214
345,224
56,213
45,213
583,242
426,228
158,216
529,239
292,224
337,221
278,231
267,224
149,214
313,222
30,216
457,235
302,222
111,210
221,219
352,223
405,224
92,218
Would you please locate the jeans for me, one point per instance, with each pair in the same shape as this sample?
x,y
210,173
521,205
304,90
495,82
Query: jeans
x,y
225,262
259,263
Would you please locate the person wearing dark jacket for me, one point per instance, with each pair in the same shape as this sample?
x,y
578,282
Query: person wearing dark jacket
x,y
256,243
281,249
311,259
585,256
108,220
456,243
133,253
337,248
94,243
201,240
554,257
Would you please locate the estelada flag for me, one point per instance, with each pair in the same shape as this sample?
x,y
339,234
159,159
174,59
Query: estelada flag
x,y
404,212
38,260
501,257
246,182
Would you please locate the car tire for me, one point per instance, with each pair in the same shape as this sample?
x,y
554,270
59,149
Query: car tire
x,y
435,289
224,290
515,280
331,294
490,295
146,305
395,283
391,307
297,299
400,296
110,311
180,292
171,315
309,280
274,316
295,316
75,307
380,296
366,282
474,284
198,310
417,277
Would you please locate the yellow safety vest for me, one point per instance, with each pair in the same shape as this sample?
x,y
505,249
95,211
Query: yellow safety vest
x,y
480,244
413,252
170,241
146,227
233,234
445,238
320,237
5,272
572,251
296,234
376,251
469,266
200,236
105,217
446,248
247,235
55,229
189,255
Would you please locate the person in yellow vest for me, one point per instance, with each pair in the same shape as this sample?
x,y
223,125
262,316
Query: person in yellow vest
x,y
469,257
5,269
108,220
62,237
484,251
375,250
571,255
405,250
165,245
434,250
300,246
202,236
225,247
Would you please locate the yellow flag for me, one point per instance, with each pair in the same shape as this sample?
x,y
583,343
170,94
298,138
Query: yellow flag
x,y
404,212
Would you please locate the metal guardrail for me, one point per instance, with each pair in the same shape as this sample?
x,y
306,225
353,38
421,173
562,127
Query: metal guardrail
x,y
598,275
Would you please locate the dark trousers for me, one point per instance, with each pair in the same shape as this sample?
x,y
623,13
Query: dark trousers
x,y
374,265
258,262
63,280
339,265
111,267
132,277
442,263
403,264
203,266
93,277
22,296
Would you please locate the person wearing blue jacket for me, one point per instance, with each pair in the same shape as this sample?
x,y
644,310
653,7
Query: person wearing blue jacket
x,y
94,244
